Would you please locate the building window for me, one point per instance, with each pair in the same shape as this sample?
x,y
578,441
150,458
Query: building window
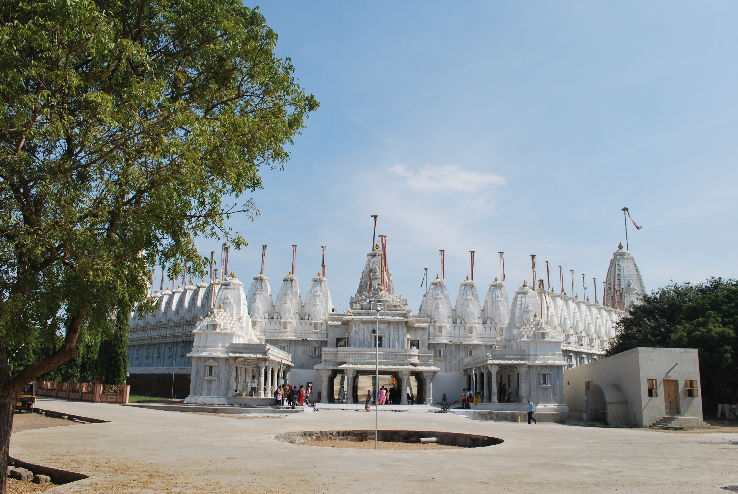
x,y
469,352
316,351
439,352
414,344
209,371
692,388
653,390
379,340
587,385
342,342
544,379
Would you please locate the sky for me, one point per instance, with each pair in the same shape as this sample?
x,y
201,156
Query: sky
x,y
521,127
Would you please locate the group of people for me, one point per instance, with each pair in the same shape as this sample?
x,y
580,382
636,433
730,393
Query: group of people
x,y
466,398
289,395
386,397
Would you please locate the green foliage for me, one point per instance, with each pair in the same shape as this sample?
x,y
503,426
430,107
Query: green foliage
x,y
702,316
127,127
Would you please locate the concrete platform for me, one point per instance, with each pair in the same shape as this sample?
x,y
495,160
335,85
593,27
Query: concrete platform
x,y
153,451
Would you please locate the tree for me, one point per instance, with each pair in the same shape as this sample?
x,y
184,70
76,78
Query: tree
x,y
127,129
702,316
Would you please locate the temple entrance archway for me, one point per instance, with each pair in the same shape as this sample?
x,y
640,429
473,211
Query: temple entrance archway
x,y
596,403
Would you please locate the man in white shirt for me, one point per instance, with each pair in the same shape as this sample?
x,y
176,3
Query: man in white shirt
x,y
254,385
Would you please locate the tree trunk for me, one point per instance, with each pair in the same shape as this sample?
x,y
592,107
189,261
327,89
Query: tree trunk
x,y
7,403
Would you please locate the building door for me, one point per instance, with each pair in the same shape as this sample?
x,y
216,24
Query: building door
x,y
671,396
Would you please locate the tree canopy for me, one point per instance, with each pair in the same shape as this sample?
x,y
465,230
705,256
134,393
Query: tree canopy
x,y
127,129
702,316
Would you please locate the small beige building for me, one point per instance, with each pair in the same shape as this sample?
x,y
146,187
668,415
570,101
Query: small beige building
x,y
640,387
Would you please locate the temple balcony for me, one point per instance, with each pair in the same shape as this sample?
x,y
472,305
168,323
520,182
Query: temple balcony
x,y
366,356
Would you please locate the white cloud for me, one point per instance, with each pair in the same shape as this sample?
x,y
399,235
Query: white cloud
x,y
435,178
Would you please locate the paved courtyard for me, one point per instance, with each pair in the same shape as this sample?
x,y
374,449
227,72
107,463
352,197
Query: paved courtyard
x,y
142,450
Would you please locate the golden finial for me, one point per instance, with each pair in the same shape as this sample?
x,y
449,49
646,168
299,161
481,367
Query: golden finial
x,y
495,279
620,245
376,246
220,306
467,277
233,275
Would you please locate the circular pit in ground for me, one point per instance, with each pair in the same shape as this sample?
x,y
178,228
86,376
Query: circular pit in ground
x,y
389,439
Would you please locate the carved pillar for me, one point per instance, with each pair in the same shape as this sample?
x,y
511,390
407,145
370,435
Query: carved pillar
x,y
248,375
404,382
269,390
523,390
325,376
349,385
492,383
232,379
428,387
260,391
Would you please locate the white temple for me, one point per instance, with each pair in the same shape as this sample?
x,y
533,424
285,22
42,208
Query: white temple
x,y
223,338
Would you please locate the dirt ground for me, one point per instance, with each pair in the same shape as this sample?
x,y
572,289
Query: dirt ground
x,y
30,421
337,443
146,451
24,487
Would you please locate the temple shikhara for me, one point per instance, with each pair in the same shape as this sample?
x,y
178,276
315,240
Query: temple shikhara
x,y
223,343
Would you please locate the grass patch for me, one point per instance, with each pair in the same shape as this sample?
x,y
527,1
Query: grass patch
x,y
148,399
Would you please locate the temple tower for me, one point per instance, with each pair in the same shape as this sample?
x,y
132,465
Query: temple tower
x,y
623,285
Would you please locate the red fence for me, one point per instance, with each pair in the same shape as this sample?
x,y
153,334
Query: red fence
x,y
95,392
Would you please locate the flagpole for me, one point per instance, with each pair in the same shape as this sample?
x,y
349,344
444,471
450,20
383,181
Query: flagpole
x,y
374,232
625,225
572,282
533,270
443,263
548,277
584,288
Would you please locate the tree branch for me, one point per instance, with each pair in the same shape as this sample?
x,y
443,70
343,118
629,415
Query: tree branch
x,y
67,352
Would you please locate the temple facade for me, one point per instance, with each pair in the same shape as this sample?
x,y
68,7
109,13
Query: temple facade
x,y
236,345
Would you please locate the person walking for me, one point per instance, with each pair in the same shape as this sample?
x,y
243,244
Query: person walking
x,y
368,401
254,385
531,407
301,396
463,398
277,396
